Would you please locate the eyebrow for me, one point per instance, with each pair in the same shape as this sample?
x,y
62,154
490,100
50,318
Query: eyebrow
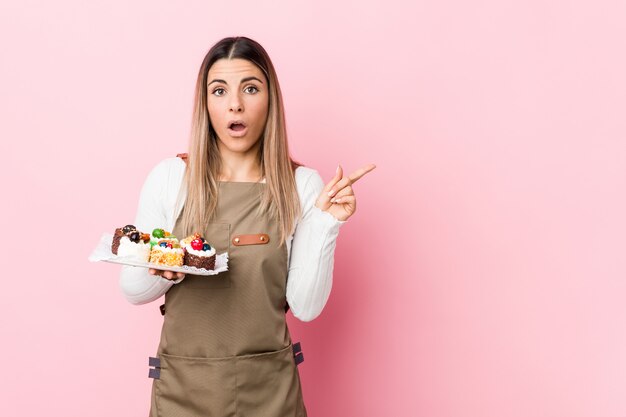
x,y
242,81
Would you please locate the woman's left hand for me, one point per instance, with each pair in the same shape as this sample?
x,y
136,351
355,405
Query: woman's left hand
x,y
337,197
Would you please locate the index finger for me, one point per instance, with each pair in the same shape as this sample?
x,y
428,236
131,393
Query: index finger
x,y
360,172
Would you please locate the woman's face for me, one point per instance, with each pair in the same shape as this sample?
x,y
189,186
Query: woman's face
x,y
237,90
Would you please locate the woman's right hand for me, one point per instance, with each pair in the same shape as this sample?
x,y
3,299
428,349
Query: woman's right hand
x,y
166,274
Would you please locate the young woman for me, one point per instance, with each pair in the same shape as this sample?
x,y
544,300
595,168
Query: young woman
x,y
225,348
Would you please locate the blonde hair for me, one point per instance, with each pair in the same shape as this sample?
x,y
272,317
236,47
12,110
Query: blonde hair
x,y
280,198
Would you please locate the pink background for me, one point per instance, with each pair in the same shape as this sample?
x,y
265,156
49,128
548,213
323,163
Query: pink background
x,y
483,272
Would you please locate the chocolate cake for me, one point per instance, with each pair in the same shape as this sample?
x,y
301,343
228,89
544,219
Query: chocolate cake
x,y
134,242
198,252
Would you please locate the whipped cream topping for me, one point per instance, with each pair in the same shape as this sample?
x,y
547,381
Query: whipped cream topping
x,y
206,253
167,250
138,250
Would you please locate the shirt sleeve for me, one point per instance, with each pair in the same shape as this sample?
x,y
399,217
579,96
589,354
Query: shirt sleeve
x,y
136,283
310,276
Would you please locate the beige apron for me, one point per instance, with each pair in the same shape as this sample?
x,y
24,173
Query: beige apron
x,y
225,348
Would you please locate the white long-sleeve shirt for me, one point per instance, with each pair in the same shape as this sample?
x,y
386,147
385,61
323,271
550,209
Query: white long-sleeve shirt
x,y
310,248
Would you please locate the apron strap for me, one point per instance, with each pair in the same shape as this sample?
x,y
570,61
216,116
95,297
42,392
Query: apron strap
x,y
294,164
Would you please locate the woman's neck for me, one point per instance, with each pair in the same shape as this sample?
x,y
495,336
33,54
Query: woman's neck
x,y
240,168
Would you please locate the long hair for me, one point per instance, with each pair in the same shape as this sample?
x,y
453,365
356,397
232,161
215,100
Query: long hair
x,y
280,198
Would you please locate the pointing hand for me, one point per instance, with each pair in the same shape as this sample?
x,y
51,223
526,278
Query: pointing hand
x,y
338,197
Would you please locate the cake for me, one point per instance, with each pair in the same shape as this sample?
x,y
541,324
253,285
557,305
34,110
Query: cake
x,y
198,253
130,242
167,252
120,232
161,235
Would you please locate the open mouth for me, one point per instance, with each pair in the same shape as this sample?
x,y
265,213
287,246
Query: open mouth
x,y
237,126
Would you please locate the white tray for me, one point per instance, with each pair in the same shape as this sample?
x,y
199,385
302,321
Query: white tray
x,y
102,252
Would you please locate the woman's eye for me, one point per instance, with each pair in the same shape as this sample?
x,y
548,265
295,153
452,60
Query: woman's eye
x,y
221,90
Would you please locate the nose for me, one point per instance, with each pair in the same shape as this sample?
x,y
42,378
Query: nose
x,y
235,104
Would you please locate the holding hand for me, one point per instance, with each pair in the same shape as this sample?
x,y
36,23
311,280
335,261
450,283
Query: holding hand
x,y
337,197
166,274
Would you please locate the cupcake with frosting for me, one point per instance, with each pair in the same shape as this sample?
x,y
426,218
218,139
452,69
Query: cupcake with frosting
x,y
198,252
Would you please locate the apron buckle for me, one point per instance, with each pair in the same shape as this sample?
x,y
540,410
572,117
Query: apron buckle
x,y
297,353
156,371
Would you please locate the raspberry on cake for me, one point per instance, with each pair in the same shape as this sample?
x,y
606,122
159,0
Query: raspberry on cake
x,y
198,252
167,252
129,242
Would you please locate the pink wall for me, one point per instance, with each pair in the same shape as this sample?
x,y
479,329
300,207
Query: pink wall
x,y
483,273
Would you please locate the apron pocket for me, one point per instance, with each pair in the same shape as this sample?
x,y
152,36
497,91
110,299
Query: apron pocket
x,y
268,384
192,387
218,236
